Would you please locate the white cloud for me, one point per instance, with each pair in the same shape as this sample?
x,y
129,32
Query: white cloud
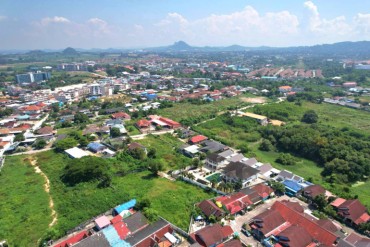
x,y
56,19
3,17
243,26
362,21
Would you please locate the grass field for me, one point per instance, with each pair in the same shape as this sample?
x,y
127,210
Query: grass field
x,y
166,147
24,211
187,110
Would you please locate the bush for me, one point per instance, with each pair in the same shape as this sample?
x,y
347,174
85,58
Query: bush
x,y
266,145
286,159
64,144
86,169
310,117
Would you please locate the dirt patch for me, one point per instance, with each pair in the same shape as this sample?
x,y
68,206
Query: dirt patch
x,y
54,215
257,100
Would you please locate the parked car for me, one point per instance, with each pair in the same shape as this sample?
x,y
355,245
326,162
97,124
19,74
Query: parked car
x,y
246,232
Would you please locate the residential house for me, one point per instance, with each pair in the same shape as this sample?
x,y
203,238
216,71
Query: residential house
x,y
143,124
210,146
70,241
354,240
136,222
285,89
287,222
253,195
284,175
237,171
212,235
292,187
209,208
353,212
135,145
263,191
96,147
102,222
190,151
312,191
215,161
76,153
197,139
227,154
235,202
47,130
237,158
121,115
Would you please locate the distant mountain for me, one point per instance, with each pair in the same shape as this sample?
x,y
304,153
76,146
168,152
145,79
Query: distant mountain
x,y
69,51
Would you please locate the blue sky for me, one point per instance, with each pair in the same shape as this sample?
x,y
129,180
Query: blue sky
x,y
39,24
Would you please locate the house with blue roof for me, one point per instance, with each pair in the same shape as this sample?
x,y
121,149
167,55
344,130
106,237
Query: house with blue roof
x,y
125,206
96,147
292,187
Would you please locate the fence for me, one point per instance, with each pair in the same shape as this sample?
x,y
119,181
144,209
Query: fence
x,y
202,185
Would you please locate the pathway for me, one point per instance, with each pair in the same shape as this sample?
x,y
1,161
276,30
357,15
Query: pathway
x,y
31,151
47,190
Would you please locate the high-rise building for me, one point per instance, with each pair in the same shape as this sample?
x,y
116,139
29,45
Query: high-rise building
x,y
33,77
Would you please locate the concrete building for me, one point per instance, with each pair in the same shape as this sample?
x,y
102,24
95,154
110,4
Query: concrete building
x,y
33,77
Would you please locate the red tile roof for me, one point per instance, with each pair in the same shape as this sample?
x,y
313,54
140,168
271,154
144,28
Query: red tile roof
x,y
263,190
74,239
116,219
121,229
294,217
143,123
353,210
337,202
170,122
236,202
31,108
268,221
197,139
212,234
121,115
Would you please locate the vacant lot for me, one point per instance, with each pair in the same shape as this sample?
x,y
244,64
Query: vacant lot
x,y
166,147
26,204
181,111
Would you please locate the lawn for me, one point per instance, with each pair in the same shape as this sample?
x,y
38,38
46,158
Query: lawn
x,y
74,205
363,192
24,214
166,147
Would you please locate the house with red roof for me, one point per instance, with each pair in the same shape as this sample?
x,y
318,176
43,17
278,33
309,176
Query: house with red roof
x,y
235,202
121,115
353,212
31,109
197,139
287,222
73,239
143,124
172,124
263,191
212,235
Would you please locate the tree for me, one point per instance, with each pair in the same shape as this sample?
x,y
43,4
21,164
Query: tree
x,y
81,118
151,214
115,132
266,145
64,144
19,137
195,162
310,117
286,159
279,188
87,169
238,185
40,143
320,202
155,166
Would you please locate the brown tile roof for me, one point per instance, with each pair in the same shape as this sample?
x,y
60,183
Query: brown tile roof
x,y
328,225
268,220
213,234
240,171
351,209
295,218
45,130
314,190
295,236
209,208
263,190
